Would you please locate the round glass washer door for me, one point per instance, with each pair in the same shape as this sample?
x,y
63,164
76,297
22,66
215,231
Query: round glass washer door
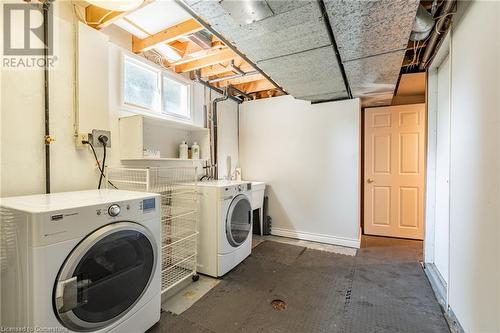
x,y
238,220
104,276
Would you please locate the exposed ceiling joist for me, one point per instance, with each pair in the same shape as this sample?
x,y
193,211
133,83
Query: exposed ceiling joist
x,y
179,47
241,79
198,55
255,86
166,36
225,69
220,56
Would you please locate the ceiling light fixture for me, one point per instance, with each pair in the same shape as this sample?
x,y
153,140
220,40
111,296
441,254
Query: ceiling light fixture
x,y
116,5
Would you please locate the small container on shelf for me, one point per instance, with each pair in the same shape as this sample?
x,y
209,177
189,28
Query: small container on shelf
x,y
151,153
183,150
195,151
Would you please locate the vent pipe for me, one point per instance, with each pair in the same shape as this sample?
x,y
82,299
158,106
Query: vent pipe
x,y
424,22
437,33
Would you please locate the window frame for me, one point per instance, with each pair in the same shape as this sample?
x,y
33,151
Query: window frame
x,y
158,111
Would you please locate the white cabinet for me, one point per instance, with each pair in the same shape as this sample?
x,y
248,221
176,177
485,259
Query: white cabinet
x,y
139,133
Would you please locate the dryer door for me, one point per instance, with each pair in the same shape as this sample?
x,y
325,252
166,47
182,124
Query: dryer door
x,y
104,276
238,220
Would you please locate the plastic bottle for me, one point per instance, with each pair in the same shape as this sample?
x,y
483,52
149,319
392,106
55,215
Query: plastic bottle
x,y
183,150
195,151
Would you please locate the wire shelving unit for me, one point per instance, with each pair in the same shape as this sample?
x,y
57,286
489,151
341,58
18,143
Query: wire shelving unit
x,y
179,214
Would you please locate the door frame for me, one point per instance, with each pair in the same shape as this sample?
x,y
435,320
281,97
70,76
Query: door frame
x,y
438,284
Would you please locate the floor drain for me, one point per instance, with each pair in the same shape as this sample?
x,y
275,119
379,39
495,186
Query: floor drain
x,y
278,304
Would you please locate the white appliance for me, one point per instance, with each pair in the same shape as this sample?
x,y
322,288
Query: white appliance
x,y
225,237
81,261
258,190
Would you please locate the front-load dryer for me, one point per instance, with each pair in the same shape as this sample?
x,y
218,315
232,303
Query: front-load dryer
x,y
225,227
85,261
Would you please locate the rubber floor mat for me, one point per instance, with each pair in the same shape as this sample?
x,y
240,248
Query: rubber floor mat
x,y
291,289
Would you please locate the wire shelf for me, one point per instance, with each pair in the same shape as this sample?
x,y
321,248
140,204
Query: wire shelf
x,y
175,274
179,214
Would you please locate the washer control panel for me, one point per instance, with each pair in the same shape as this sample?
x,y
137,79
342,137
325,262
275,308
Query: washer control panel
x,y
233,190
114,210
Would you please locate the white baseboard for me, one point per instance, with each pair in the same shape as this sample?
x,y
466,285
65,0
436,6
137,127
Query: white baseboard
x,y
309,236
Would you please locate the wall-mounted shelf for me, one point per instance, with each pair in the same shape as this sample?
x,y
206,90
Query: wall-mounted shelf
x,y
164,159
140,132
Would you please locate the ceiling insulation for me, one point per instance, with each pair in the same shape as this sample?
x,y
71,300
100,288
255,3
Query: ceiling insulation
x,y
293,45
372,37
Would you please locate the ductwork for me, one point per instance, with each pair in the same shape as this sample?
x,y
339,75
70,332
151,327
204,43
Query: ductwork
x,y
422,27
437,33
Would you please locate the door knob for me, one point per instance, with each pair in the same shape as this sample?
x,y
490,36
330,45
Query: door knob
x,y
370,180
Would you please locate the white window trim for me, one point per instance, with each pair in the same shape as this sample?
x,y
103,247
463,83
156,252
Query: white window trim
x,y
158,113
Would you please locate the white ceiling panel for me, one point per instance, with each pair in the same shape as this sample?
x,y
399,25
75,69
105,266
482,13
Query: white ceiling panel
x,y
131,28
158,16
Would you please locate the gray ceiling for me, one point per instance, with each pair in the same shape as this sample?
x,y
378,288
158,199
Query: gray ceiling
x,y
293,46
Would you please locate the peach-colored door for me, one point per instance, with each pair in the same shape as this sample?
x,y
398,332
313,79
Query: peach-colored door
x,y
394,171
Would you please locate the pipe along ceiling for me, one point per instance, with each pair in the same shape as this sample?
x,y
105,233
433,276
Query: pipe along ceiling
x,y
319,50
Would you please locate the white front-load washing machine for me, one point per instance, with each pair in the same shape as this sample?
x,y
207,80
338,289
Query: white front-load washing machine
x,y
225,227
86,261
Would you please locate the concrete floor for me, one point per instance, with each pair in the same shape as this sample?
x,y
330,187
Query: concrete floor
x,y
380,289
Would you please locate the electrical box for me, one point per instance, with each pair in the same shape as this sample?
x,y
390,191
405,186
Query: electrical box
x,y
95,138
82,137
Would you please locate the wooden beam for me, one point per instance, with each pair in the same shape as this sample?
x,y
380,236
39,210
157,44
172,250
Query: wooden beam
x,y
239,80
220,56
268,94
179,47
209,71
198,55
214,71
166,36
255,86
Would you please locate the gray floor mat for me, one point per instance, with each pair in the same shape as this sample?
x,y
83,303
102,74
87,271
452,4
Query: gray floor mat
x,y
382,289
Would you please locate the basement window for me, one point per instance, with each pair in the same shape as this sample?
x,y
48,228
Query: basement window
x,y
141,85
176,96
149,88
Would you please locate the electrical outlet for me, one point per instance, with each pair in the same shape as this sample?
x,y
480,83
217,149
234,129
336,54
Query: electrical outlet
x,y
79,138
95,138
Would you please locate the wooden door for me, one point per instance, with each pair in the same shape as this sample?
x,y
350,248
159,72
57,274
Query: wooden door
x,y
394,171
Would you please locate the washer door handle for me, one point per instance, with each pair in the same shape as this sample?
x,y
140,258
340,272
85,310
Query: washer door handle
x,y
67,295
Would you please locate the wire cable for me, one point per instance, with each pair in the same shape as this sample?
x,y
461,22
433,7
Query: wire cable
x,y
103,162
101,170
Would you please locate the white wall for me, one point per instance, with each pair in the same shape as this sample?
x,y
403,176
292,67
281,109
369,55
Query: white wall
x,y
474,229
475,169
22,122
310,157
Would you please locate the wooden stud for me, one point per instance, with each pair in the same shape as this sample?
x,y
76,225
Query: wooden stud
x,y
166,36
